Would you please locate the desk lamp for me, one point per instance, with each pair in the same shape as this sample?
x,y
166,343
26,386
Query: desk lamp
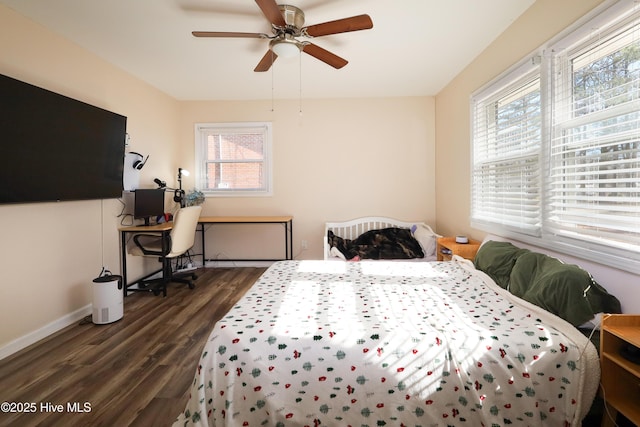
x,y
178,195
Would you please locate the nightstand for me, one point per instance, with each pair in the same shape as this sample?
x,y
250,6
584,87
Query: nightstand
x,y
447,247
620,378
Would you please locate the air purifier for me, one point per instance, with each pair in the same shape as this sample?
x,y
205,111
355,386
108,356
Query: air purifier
x,y
107,299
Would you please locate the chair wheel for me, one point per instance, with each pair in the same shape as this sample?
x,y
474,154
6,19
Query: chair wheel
x,y
191,285
156,292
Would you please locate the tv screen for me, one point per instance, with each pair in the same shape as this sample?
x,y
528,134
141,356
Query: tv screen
x,y
56,148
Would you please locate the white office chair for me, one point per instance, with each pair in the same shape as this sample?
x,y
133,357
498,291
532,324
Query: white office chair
x,y
177,242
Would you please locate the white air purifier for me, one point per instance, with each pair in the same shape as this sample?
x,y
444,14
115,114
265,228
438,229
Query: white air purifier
x,y
108,299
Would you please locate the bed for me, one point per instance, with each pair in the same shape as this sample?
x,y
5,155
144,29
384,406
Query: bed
x,y
375,343
383,227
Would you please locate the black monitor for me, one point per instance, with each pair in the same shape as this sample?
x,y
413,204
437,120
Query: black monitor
x,y
148,203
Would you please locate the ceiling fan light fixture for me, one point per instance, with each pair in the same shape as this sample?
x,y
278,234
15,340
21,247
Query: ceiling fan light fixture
x,y
285,48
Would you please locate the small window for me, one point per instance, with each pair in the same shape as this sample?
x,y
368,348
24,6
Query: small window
x,y
233,159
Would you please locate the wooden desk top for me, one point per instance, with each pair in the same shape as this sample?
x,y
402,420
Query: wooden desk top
x,y
155,227
211,220
243,219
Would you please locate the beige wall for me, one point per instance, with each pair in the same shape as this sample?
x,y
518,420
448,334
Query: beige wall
x,y
541,22
340,159
51,252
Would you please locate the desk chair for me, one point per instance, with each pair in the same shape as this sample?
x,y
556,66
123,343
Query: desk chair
x,y
168,247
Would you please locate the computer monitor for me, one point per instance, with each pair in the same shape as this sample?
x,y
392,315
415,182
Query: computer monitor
x,y
148,203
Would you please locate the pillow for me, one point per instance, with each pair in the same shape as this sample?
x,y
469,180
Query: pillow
x,y
337,243
426,238
497,259
334,252
565,290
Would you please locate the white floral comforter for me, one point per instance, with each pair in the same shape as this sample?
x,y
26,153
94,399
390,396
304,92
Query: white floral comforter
x,y
317,343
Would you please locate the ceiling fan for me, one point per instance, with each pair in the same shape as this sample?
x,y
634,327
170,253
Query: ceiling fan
x,y
287,24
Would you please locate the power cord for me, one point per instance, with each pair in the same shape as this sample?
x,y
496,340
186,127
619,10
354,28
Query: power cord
x,y
596,327
606,407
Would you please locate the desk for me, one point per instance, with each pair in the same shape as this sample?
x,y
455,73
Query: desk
x,y
161,229
286,221
164,228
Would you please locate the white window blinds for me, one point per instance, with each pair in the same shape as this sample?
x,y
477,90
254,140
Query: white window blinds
x,y
594,182
506,156
556,150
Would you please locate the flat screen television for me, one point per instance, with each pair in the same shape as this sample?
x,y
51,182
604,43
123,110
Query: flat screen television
x,y
55,148
148,203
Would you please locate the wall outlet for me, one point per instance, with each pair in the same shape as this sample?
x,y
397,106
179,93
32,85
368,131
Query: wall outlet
x,y
304,244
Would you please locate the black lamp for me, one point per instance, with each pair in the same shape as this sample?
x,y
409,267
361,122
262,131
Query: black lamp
x,y
178,195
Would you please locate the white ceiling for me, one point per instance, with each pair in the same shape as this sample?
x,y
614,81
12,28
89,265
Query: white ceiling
x,y
415,47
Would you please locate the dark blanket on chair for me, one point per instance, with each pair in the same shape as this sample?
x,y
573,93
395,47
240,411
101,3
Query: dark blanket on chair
x,y
386,243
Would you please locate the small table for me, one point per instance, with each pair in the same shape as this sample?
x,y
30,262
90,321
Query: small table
x,y
465,250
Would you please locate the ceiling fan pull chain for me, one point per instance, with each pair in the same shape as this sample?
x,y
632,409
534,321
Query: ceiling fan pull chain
x,y
272,88
300,82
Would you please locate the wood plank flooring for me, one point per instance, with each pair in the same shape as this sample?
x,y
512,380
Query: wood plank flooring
x,y
136,371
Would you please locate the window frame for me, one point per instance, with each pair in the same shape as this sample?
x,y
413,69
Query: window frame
x,y
513,82
201,132
550,57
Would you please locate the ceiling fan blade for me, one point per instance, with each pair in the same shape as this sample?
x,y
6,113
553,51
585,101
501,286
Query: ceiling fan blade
x,y
265,63
345,25
324,55
229,34
272,12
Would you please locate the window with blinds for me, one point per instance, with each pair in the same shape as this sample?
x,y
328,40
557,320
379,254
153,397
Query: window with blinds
x,y
506,156
556,149
594,182
233,158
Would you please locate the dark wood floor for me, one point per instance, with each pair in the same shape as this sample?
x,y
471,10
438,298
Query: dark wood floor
x,y
136,371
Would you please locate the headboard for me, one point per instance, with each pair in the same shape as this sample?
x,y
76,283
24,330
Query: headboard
x,y
353,228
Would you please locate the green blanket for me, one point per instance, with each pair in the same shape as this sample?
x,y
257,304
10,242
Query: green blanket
x,y
565,290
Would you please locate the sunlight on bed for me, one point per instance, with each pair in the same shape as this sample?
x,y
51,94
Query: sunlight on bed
x,y
301,307
314,266
399,269
417,315
410,316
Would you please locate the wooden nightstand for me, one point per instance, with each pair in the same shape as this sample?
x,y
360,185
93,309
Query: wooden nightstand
x,y
465,250
620,377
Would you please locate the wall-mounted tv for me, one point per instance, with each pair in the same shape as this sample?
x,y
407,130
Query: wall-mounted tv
x,y
55,148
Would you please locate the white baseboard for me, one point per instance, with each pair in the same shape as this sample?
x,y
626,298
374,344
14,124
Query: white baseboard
x,y
239,263
35,336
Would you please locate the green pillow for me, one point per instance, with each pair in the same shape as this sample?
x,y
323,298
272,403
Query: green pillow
x,y
565,290
497,259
